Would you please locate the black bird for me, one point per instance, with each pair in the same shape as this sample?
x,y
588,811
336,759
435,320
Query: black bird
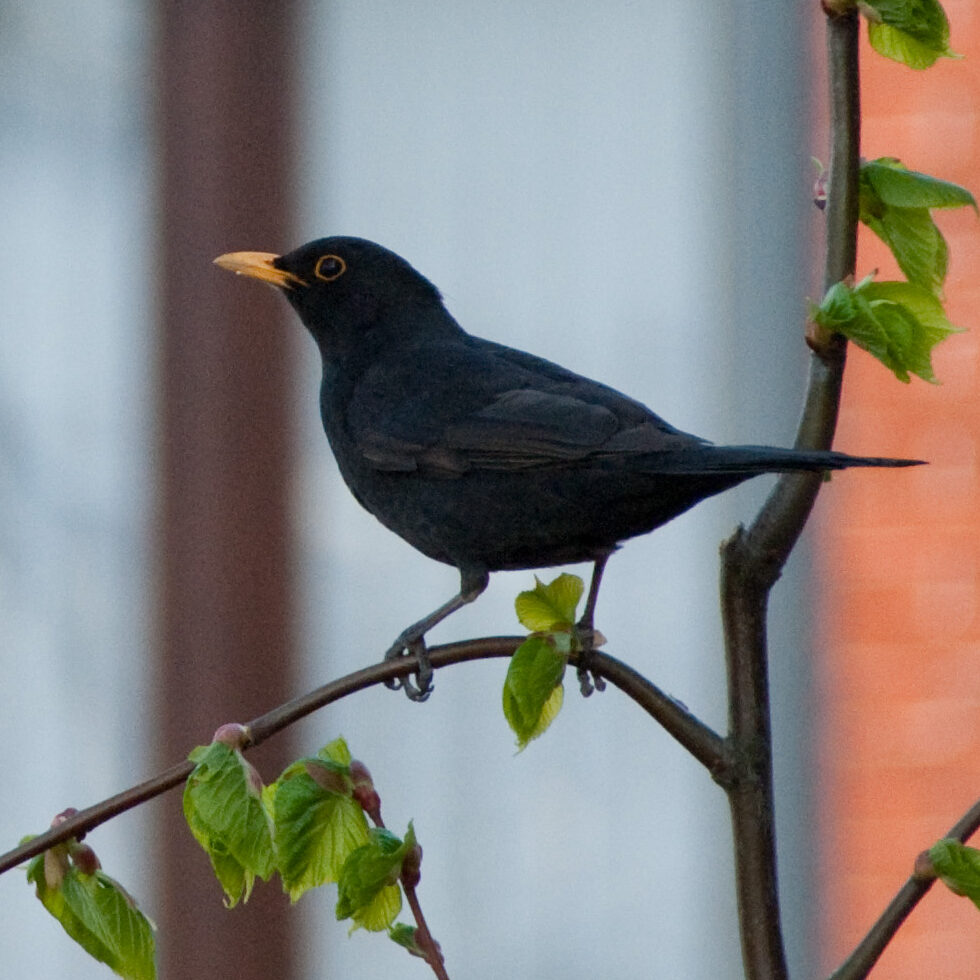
x,y
479,455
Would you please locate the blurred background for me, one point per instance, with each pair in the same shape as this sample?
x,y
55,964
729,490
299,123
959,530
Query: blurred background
x,y
625,190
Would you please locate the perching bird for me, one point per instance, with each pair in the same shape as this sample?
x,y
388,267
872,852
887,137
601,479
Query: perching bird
x,y
482,456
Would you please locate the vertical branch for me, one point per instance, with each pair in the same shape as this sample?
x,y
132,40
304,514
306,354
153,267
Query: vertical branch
x,y
753,559
750,792
845,152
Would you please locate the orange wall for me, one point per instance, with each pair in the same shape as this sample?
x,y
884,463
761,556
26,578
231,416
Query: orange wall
x,y
898,674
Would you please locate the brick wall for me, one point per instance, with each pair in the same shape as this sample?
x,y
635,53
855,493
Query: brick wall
x,y
898,672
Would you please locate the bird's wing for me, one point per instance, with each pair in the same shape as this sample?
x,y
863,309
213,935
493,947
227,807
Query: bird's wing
x,y
529,427
479,408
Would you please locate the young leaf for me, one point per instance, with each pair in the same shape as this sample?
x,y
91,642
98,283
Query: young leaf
x,y
551,605
900,187
367,889
917,244
837,307
406,936
98,913
958,867
380,912
914,32
224,809
895,203
336,751
533,694
317,823
897,322
898,46
925,318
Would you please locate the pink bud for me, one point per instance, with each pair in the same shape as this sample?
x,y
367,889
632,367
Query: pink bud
x,y
923,869
365,795
820,190
359,773
233,735
412,867
328,778
84,858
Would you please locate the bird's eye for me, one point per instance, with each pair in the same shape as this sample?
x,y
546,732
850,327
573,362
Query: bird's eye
x,y
329,267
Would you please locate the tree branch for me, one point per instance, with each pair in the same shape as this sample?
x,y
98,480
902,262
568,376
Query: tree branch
x,y
750,793
753,559
424,937
411,874
703,743
865,955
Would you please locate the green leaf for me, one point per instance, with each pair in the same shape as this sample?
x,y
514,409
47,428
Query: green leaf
x,y
917,244
897,322
379,913
224,808
336,751
316,827
901,47
900,187
924,19
98,913
913,32
895,204
406,936
924,322
367,889
551,605
533,694
837,308
958,867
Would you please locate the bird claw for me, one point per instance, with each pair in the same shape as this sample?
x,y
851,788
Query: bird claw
x,y
588,680
419,689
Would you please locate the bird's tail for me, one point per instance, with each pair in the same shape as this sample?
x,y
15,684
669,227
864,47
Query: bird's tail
x,y
764,459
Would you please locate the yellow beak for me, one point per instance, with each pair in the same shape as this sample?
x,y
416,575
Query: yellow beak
x,y
258,265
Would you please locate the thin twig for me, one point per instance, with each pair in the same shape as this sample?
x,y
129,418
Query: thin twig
x,y
866,954
425,942
423,937
693,734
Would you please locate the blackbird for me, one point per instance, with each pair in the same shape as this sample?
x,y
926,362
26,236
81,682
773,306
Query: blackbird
x,y
479,455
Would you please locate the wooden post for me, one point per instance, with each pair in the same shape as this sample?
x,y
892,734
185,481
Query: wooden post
x,y
225,646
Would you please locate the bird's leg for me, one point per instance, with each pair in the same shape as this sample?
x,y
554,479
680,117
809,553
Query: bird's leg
x,y
586,630
473,581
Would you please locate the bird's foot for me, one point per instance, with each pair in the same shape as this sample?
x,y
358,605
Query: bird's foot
x,y
588,680
408,644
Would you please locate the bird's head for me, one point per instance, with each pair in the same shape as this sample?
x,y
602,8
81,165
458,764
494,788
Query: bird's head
x,y
348,292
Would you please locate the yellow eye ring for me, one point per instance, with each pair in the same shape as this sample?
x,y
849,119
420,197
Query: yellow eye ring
x,y
335,267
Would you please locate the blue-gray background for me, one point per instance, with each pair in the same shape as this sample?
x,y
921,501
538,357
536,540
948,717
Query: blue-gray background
x,y
621,187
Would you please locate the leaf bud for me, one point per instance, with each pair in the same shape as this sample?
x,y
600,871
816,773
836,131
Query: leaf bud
x,y
85,859
412,867
924,870
820,190
328,777
365,795
233,735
